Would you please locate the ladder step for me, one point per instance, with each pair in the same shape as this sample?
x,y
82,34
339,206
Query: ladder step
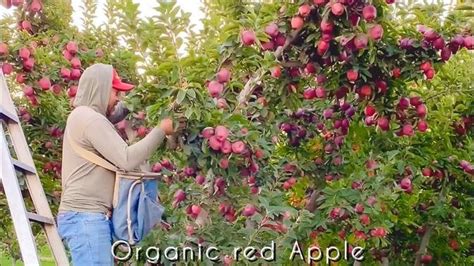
x,y
23,167
5,115
39,218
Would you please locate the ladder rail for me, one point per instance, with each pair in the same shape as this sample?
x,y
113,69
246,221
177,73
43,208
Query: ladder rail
x,y
32,179
17,206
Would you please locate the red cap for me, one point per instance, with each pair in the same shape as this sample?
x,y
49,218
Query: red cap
x,y
119,85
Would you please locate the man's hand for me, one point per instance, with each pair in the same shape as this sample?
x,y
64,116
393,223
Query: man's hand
x,y
167,126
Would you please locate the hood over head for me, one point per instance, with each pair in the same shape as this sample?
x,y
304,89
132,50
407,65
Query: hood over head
x,y
94,88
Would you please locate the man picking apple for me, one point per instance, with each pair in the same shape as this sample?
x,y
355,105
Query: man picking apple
x,y
87,189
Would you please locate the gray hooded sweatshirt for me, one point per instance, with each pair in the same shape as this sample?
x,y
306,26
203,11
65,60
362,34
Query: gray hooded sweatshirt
x,y
87,187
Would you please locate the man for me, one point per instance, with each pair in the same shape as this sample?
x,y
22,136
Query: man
x,y
87,189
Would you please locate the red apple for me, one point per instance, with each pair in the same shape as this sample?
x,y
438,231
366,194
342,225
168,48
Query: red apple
x,y
215,88
272,30
337,9
207,132
226,147
223,75
369,13
71,47
248,37
238,147
376,32
75,62
44,83
352,75
214,143
297,22
3,48
304,10
249,210
221,133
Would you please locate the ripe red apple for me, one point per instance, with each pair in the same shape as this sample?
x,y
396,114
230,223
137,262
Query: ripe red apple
x,y
309,94
310,68
439,43
422,126
272,30
259,153
142,131
3,48
323,46
382,86
266,46
359,208
426,171
223,75
360,41
469,42
335,213
24,53
405,184
67,55
364,219
20,78
215,88
352,75
378,232
179,196
421,110
26,26
71,47
280,40
369,110
65,73
327,26
28,91
383,123
297,22
56,88
376,32
407,130
207,132
29,64
238,147
429,74
248,37
366,90
221,133
75,74
249,210
369,13
72,91
200,179
157,167
454,244
44,83
320,92
195,210
445,54
425,66
337,9
7,68
304,10
75,62
35,6
426,259
214,143
396,72
276,72
221,103
226,147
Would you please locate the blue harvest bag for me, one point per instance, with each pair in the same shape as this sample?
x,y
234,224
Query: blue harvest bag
x,y
136,209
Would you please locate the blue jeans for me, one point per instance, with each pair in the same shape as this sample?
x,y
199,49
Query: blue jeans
x,y
88,236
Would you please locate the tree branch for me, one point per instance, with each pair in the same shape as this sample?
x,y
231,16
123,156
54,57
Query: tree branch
x,y
424,244
249,86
